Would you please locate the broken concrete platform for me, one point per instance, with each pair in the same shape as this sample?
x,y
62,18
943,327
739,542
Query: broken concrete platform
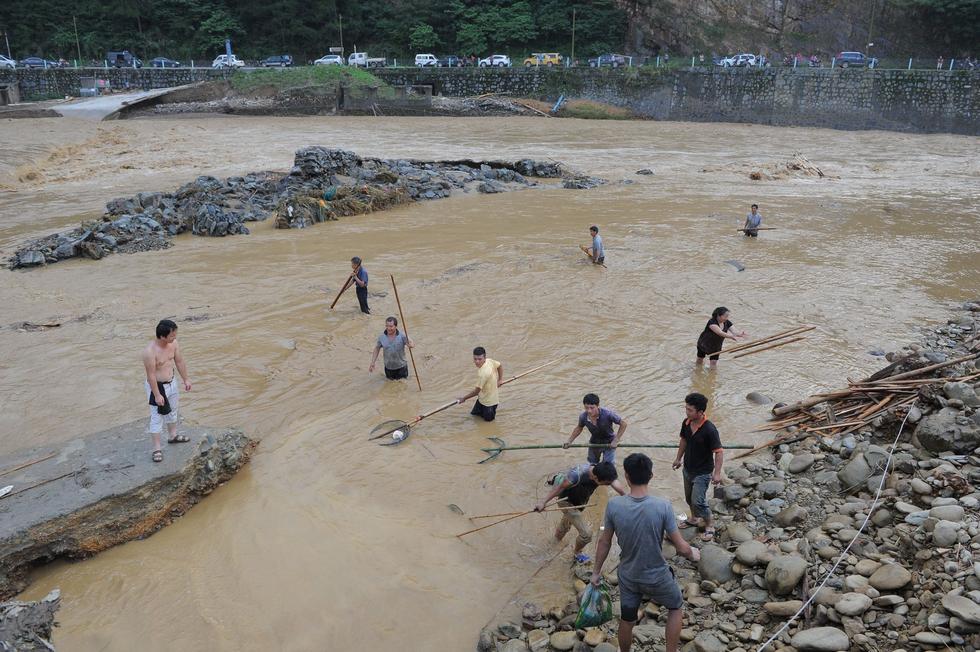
x,y
94,492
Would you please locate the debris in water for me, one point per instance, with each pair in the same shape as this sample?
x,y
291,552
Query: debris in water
x,y
737,265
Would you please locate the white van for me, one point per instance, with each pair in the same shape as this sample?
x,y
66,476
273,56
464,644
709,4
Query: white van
x,y
423,60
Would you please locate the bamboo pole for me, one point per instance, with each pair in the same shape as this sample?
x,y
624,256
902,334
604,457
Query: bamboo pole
x,y
816,399
760,228
550,508
766,348
765,340
925,370
347,284
599,446
510,518
27,464
405,327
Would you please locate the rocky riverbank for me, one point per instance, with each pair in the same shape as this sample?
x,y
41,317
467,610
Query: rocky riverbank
x,y
26,626
802,531
323,184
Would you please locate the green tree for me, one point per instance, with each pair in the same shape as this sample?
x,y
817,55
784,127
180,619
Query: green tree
x,y
954,23
423,37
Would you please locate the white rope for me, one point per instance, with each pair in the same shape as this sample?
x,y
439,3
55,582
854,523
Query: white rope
x,y
830,573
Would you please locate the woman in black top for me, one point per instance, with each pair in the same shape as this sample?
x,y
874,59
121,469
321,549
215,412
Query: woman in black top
x,y
718,328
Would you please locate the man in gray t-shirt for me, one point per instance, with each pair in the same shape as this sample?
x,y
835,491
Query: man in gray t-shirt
x,y
752,222
640,522
393,343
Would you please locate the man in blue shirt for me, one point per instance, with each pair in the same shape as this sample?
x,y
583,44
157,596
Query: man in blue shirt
x,y
596,251
360,276
752,222
600,422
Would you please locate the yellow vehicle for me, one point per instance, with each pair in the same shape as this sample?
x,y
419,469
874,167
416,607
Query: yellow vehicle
x,y
550,59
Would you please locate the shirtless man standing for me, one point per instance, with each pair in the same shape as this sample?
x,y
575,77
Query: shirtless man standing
x,y
159,359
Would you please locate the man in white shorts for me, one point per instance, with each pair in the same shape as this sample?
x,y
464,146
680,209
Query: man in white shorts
x,y
162,360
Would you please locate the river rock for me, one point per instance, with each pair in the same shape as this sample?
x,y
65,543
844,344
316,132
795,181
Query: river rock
x,y
594,636
783,609
947,513
932,638
792,515
750,552
737,533
514,645
708,642
890,577
853,604
716,564
920,486
758,399
946,430
821,639
801,462
605,647
945,534
962,392
962,607
734,492
537,640
771,488
648,632
853,475
783,573
564,640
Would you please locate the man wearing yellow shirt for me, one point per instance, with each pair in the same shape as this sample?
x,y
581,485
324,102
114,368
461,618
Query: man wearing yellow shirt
x,y
488,375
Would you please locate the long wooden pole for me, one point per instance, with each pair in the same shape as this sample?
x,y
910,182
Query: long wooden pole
x,y
503,520
923,370
765,340
27,464
585,250
347,284
766,348
550,508
405,328
759,228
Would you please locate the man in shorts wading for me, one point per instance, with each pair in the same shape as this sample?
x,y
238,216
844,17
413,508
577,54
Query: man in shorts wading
x,y
597,251
600,423
360,277
574,488
160,359
640,522
702,454
488,378
752,222
393,342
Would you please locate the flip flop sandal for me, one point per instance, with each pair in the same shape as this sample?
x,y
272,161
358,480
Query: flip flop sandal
x,y
708,535
179,439
157,456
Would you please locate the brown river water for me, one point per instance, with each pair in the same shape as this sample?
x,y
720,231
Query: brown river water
x,y
327,541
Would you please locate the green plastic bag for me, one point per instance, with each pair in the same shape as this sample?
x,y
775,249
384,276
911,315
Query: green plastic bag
x,y
595,607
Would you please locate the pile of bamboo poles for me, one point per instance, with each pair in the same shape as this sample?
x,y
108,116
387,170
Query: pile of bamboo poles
x,y
766,343
856,406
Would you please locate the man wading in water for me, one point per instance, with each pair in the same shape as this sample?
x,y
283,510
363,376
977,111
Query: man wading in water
x,y
752,222
714,334
159,360
600,422
640,522
700,448
574,488
393,342
596,250
488,378
360,276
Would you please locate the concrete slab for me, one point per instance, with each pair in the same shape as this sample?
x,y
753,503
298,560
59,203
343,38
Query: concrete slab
x,y
104,489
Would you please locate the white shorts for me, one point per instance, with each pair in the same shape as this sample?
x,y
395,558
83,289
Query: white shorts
x,y
173,395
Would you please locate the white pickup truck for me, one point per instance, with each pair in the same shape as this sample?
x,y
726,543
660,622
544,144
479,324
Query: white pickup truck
x,y
362,60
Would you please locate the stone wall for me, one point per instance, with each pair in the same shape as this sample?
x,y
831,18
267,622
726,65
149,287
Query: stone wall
x,y
37,83
898,100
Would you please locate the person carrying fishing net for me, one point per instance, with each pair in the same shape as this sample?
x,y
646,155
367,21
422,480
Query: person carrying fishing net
x,y
574,488
599,422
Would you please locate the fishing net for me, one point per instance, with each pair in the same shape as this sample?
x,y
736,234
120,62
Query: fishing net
x,y
387,432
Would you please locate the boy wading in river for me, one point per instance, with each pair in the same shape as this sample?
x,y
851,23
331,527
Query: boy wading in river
x,y
161,361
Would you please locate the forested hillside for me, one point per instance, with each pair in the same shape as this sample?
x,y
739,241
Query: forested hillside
x,y
196,29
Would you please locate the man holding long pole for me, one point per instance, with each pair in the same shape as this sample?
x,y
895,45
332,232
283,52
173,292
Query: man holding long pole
x,y
488,379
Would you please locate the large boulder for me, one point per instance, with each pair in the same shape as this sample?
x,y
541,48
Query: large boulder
x,y
855,473
963,392
821,639
948,430
716,564
783,573
890,577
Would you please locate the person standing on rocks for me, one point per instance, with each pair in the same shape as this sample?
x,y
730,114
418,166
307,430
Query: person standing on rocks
x,y
161,360
752,222
488,378
360,277
596,251
640,521
574,488
393,342
702,456
716,331
600,422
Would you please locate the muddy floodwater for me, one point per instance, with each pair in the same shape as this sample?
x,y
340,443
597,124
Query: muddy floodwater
x,y
327,541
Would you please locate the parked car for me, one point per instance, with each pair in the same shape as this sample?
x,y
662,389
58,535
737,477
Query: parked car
x,y
451,61
739,61
277,61
7,63
37,62
550,59
611,60
495,61
362,60
846,59
123,59
329,60
426,60
164,62
222,61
